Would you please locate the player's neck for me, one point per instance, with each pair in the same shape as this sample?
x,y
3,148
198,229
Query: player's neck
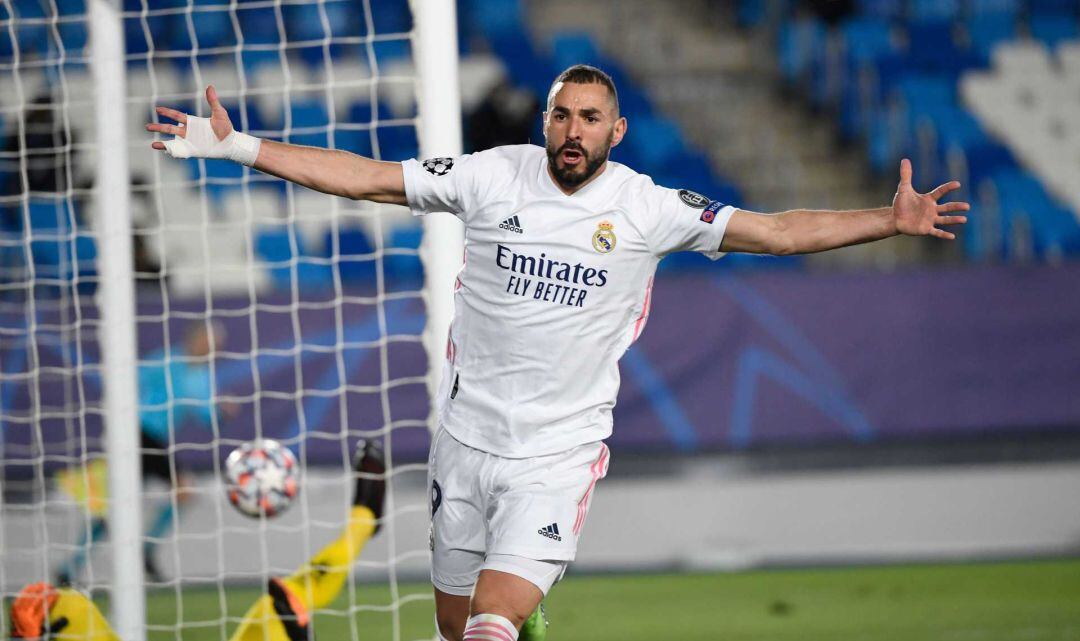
x,y
570,191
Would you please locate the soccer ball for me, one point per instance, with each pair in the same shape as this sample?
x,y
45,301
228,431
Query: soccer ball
x,y
261,478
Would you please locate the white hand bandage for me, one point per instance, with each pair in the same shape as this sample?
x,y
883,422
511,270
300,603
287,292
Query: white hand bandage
x,y
201,142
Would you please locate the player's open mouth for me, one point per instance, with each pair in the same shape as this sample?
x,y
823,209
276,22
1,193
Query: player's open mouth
x,y
572,156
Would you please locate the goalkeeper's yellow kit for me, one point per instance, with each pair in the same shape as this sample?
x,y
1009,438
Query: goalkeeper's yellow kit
x,y
42,611
283,614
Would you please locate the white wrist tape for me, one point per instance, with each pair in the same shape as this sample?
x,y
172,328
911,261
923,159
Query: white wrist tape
x,y
201,142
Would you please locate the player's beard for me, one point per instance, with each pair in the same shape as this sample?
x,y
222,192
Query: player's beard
x,y
569,177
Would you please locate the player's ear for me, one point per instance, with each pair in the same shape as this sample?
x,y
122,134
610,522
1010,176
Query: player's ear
x,y
619,131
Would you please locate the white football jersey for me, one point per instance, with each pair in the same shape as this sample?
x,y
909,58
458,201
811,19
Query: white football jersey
x,y
553,291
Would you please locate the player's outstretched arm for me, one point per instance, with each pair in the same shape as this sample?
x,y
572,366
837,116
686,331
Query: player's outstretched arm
x,y
330,171
803,231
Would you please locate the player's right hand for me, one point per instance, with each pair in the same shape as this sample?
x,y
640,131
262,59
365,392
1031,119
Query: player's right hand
x,y
196,137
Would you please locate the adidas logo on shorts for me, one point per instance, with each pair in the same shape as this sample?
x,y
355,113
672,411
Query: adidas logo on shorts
x,y
512,224
551,532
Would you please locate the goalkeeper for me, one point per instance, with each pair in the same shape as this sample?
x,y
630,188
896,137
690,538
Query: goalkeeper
x,y
42,611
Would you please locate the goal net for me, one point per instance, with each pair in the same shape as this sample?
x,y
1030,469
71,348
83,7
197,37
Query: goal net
x,y
262,310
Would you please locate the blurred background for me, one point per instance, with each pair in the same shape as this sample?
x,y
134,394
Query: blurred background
x,y
907,401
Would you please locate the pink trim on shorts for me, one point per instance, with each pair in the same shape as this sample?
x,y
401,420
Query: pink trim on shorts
x,y
598,469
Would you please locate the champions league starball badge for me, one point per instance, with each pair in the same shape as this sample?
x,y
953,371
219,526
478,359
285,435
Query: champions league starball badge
x,y
439,166
603,240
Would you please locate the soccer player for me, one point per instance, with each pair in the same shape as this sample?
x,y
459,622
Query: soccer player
x,y
561,248
42,611
173,388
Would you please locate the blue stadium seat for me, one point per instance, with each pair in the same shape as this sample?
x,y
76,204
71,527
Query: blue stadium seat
x,y
73,33
312,115
163,28
71,7
274,245
656,140
404,266
1053,230
933,10
58,250
1054,28
356,255
387,51
50,216
220,175
31,39
526,66
495,19
398,142
751,13
391,16
866,39
249,118
798,41
213,29
887,9
253,59
303,22
931,44
258,24
886,135
1065,8
1009,8
984,158
346,19
956,127
926,95
633,102
574,47
359,141
988,30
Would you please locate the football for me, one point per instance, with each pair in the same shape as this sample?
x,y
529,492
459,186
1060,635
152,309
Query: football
x,y
262,478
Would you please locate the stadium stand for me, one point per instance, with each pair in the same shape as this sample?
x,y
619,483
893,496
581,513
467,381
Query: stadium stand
x,y
970,90
172,60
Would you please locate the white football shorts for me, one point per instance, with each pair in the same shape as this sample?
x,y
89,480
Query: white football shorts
x,y
486,508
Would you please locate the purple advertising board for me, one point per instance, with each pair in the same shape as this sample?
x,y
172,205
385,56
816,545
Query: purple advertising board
x,y
728,361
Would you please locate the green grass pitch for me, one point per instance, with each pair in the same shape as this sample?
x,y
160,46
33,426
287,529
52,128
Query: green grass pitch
x,y
962,602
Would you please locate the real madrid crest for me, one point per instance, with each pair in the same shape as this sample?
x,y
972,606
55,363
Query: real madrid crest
x,y
603,240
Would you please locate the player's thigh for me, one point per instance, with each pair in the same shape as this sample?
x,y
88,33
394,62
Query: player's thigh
x,y
542,512
458,526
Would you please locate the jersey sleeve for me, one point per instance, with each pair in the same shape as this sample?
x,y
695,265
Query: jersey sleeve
x,y
450,184
682,220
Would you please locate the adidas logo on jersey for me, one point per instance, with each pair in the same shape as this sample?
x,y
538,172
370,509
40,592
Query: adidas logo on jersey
x,y
512,224
551,532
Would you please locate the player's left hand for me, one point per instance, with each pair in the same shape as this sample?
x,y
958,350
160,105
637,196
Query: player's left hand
x,y
918,214
30,613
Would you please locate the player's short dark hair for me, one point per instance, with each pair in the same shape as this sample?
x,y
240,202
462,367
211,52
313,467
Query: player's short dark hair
x,y
589,75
